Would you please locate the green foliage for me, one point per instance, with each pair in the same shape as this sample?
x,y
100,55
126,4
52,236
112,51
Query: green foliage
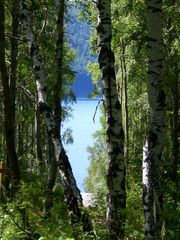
x,y
97,171
25,215
134,209
95,182
171,216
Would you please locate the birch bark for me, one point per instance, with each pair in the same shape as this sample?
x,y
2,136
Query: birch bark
x,y
153,145
57,101
116,199
72,194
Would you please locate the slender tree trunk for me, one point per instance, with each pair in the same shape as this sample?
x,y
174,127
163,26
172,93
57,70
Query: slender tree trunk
x,y
71,192
2,144
9,88
14,62
175,132
126,117
51,178
115,135
37,129
57,99
59,62
173,70
153,145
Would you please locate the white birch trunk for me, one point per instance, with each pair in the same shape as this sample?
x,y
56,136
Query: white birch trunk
x,y
153,144
71,192
116,200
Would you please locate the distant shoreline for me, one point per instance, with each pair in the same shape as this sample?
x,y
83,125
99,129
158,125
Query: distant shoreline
x,y
88,99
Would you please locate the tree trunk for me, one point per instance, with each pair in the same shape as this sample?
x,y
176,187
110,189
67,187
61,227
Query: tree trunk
x,y
175,138
9,89
57,100
126,117
14,54
39,156
51,178
71,192
59,62
116,200
173,71
153,145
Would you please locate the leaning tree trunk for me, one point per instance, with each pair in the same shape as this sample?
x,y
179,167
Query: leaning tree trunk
x,y
9,89
71,192
153,145
57,101
116,200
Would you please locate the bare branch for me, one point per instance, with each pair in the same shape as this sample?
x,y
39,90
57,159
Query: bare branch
x,y
27,93
101,100
14,37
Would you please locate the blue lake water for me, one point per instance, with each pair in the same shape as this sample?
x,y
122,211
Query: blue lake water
x,y
83,127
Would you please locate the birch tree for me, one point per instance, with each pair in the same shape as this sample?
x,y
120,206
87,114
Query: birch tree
x,y
72,194
116,199
153,145
57,97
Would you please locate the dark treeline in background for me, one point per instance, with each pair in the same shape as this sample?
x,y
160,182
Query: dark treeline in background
x,y
133,67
